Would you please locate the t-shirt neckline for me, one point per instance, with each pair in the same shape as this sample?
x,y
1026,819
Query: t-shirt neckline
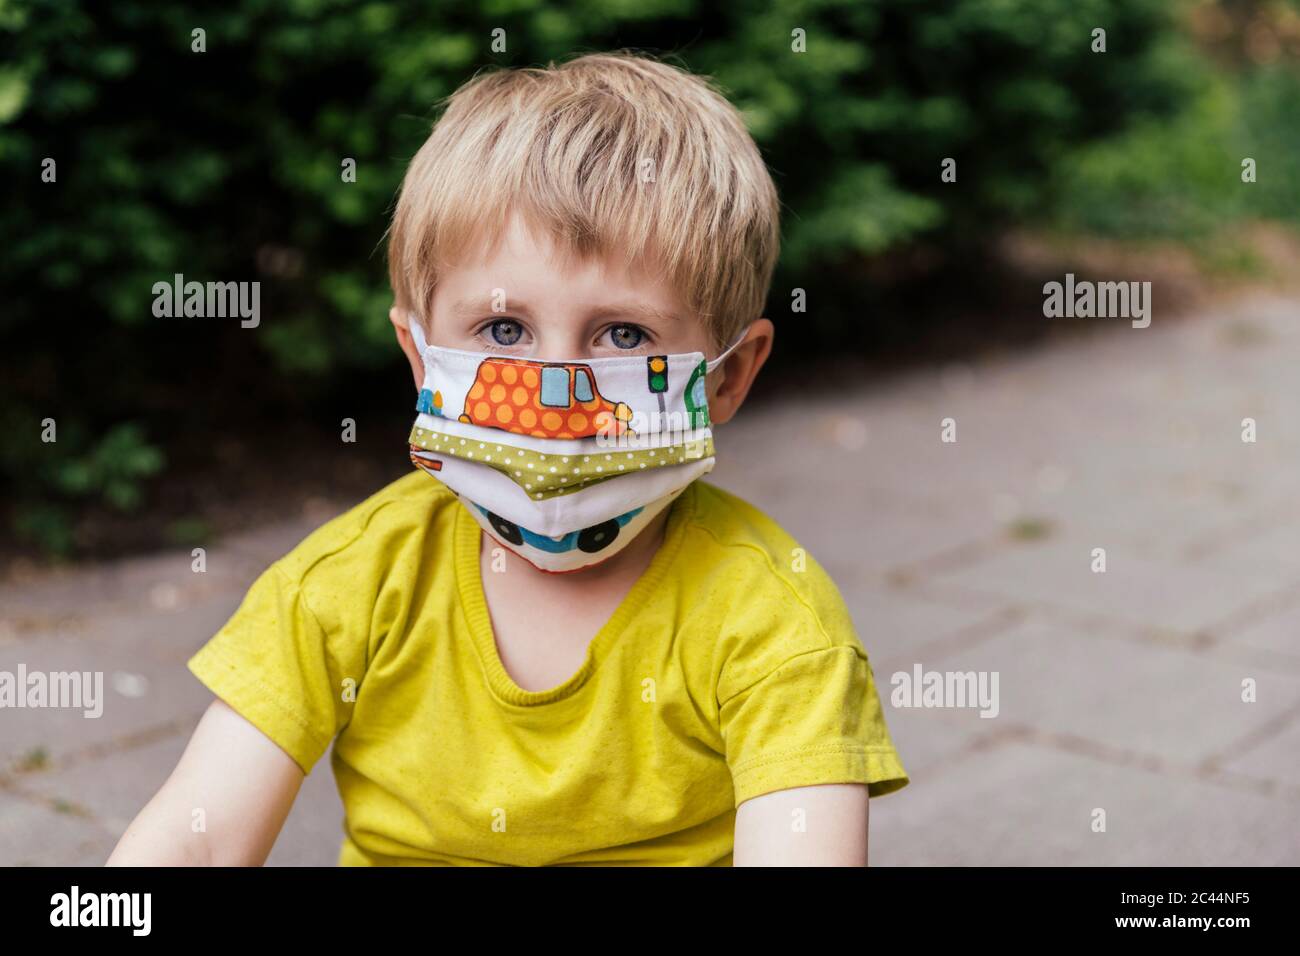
x,y
473,603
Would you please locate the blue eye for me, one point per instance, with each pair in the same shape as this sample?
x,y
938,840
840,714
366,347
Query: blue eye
x,y
626,336
506,331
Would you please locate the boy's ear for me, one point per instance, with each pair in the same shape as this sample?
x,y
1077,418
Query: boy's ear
x,y
399,320
738,372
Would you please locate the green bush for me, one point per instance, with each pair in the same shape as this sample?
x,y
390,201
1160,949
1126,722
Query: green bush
x,y
108,469
1181,177
225,165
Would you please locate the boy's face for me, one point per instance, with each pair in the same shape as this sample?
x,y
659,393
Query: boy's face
x,y
549,309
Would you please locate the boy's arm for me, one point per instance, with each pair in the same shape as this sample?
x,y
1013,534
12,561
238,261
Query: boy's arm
x,y
823,825
242,782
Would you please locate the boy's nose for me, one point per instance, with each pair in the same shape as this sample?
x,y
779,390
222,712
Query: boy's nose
x,y
559,347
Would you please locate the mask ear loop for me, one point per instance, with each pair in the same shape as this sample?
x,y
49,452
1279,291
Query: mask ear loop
x,y
713,363
417,333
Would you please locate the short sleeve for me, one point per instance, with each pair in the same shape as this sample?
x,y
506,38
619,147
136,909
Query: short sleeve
x,y
815,719
272,663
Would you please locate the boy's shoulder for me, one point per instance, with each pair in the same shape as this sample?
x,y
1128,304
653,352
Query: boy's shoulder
x,y
747,535
741,554
403,518
734,523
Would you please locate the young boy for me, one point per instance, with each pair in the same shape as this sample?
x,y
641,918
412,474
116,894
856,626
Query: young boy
x,y
550,643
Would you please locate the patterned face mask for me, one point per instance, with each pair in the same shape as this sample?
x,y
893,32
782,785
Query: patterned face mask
x,y
563,462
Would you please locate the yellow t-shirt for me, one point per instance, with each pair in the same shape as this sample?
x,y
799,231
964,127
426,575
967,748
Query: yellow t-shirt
x,y
724,674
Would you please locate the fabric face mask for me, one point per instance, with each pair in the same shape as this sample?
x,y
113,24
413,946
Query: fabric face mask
x,y
564,463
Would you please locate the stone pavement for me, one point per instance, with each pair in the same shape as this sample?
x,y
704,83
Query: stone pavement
x,y
1119,691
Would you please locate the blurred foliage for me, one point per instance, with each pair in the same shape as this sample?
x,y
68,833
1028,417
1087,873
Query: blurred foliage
x,y
1181,177
225,165
108,468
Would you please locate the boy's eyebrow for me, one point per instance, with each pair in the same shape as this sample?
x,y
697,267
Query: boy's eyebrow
x,y
634,310
477,306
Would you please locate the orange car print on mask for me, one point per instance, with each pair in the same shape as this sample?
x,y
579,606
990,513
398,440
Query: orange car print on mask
x,y
542,399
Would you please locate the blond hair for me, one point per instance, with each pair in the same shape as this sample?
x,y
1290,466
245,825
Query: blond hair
x,y
607,153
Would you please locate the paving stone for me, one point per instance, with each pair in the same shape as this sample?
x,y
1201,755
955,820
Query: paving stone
x,y
1143,592
161,582
898,627
115,788
1276,759
1024,805
145,683
112,788
931,741
1262,553
32,834
1149,700
1277,632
